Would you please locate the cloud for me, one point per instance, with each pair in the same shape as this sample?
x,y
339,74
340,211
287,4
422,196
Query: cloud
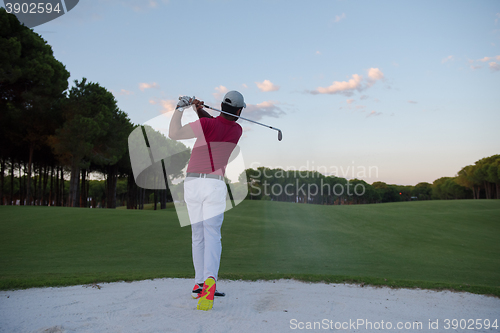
x,y
219,93
125,92
343,87
448,58
167,105
267,86
144,86
122,92
244,85
494,66
486,59
353,107
492,63
362,97
347,88
317,52
375,74
412,102
498,16
267,108
373,113
339,18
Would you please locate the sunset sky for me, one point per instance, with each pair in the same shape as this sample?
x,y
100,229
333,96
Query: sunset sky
x,y
409,88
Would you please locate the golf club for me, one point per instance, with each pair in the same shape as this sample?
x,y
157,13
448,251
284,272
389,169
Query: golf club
x,y
280,135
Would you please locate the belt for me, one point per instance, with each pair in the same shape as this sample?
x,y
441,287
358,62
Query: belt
x,y
204,175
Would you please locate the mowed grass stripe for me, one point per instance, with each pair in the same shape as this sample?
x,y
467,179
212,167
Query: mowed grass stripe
x,y
438,241
64,244
450,244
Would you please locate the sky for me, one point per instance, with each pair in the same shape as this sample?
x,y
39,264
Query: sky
x,y
395,91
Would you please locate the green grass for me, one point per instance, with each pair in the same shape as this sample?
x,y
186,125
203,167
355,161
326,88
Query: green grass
x,y
433,244
150,206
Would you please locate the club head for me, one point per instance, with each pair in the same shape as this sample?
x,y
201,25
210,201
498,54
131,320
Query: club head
x,y
280,135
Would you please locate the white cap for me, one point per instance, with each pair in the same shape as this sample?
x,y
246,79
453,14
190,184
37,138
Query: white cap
x,y
235,99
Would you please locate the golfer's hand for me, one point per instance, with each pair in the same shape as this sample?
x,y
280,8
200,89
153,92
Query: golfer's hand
x,y
184,102
198,105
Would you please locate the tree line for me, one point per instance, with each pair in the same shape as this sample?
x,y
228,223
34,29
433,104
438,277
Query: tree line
x,y
50,134
480,180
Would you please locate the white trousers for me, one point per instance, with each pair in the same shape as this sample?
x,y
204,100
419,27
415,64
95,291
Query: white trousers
x,y
206,201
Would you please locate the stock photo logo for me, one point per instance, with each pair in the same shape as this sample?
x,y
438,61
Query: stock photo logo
x,y
35,13
160,163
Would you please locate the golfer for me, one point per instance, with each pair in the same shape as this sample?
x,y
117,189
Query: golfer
x,y
205,190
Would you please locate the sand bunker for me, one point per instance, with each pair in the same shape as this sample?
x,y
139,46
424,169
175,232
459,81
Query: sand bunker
x,y
165,305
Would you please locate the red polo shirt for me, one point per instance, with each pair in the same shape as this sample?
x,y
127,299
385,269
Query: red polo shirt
x,y
216,139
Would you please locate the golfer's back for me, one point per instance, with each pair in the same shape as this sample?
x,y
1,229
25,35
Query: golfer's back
x,y
216,139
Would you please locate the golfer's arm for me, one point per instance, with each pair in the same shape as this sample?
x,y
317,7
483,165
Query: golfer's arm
x,y
203,114
178,132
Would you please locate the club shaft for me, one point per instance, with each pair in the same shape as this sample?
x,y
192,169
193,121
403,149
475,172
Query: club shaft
x,y
280,134
230,114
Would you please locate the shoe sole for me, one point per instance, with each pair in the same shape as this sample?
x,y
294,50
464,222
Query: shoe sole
x,y
204,303
217,294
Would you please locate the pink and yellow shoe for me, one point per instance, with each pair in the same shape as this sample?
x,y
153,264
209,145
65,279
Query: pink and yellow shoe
x,y
196,293
206,300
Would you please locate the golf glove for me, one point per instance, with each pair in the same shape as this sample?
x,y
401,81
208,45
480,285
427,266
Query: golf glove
x,y
185,101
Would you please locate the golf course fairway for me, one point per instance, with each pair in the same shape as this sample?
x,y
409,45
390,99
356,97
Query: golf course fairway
x,y
428,244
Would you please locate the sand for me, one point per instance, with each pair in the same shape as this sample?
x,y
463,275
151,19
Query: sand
x,y
165,305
